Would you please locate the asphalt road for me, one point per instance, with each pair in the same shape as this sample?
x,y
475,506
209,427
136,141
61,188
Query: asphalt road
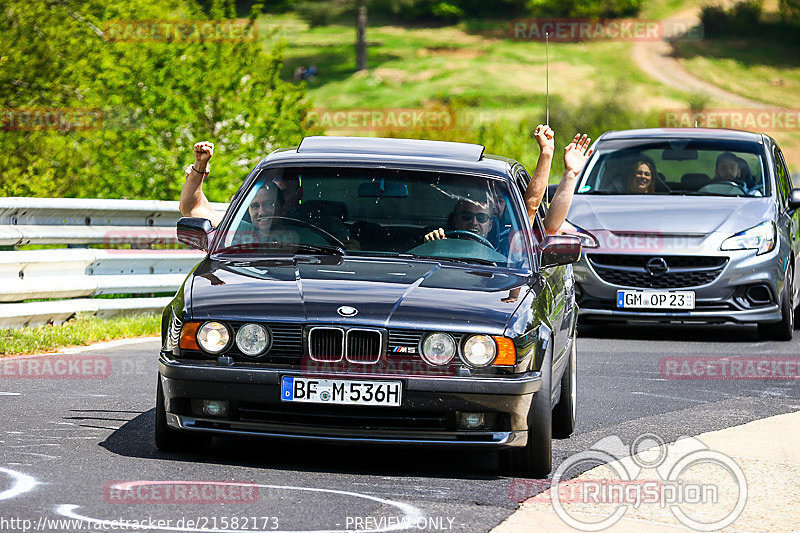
x,y
64,442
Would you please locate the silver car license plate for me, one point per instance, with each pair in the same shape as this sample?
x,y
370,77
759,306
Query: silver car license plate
x,y
341,391
655,299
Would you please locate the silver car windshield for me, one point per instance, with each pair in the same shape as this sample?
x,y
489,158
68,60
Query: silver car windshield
x,y
677,167
377,212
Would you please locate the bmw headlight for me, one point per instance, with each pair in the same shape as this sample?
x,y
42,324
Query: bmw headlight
x,y
761,238
213,337
252,339
587,239
438,349
479,350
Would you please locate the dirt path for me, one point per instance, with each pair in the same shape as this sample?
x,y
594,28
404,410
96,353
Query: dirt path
x,y
657,61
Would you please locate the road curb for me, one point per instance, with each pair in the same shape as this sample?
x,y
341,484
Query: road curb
x,y
765,450
87,347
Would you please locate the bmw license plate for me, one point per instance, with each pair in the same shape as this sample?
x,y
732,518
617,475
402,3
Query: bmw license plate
x,y
655,299
341,391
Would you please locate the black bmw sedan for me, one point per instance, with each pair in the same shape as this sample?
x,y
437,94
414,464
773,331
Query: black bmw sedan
x,y
399,295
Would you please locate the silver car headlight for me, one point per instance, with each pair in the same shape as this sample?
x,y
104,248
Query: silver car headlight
x,y
587,239
479,350
761,238
438,349
213,337
252,339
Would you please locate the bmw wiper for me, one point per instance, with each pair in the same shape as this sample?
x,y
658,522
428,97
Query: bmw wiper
x,y
467,260
292,247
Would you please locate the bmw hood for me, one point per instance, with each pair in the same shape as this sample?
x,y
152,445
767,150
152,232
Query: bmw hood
x,y
392,293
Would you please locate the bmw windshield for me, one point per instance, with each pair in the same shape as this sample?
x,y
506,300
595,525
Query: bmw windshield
x,y
679,167
377,212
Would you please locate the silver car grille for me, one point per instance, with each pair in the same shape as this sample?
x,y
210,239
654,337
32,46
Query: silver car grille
x,y
628,270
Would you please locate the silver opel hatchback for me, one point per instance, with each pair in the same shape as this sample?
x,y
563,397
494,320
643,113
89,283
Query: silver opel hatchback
x,y
687,225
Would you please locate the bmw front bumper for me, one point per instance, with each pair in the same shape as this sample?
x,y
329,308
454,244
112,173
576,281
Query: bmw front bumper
x,y
426,417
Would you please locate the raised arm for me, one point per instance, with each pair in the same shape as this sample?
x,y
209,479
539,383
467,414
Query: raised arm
x,y
193,202
575,157
541,175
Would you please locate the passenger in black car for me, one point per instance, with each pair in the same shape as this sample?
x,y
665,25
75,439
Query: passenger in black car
x,y
285,191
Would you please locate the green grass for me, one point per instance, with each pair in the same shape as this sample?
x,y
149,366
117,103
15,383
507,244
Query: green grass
x,y
76,332
764,70
489,78
409,67
759,69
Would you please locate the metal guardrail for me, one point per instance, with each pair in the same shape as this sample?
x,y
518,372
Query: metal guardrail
x,y
73,274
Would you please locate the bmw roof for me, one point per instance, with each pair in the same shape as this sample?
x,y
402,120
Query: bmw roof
x,y
379,151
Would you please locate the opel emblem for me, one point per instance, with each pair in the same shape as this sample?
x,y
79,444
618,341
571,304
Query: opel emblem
x,y
346,310
656,266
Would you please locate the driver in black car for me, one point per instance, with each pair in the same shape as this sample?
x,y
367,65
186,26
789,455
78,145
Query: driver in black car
x,y
468,215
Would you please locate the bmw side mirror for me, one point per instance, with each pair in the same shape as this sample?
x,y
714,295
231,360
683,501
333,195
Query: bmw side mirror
x,y
794,199
560,250
195,232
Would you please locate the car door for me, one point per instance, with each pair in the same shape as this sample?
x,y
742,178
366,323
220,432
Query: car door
x,y
790,220
555,283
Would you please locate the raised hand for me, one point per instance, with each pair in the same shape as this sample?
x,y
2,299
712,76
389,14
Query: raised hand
x,y
544,137
575,154
202,153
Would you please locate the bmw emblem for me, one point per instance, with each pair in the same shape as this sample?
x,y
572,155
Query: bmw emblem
x,y
346,310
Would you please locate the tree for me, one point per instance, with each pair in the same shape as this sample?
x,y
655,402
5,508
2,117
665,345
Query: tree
x,y
361,35
157,97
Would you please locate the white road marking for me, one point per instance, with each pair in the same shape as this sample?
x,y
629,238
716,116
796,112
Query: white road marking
x,y
9,394
39,455
22,484
666,397
411,514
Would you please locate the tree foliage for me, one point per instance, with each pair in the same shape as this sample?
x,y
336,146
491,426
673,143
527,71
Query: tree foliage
x,y
157,97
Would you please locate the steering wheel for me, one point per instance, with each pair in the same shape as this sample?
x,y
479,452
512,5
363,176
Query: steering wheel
x,y
464,234
709,187
330,239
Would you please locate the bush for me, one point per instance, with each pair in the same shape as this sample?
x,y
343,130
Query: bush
x,y
586,8
790,11
741,19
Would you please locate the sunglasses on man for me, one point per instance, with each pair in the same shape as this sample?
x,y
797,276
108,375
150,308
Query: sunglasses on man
x,y
469,216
